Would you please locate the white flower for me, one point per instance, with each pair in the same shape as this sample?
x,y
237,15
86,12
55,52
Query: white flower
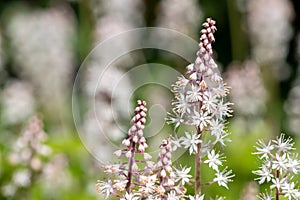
x,y
293,164
131,196
280,163
181,105
223,177
197,197
201,119
191,141
278,183
209,102
175,119
282,144
105,188
265,196
217,128
183,175
213,160
223,110
173,196
222,139
194,94
264,149
289,191
175,143
265,174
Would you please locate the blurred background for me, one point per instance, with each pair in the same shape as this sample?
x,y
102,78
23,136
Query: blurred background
x,y
44,42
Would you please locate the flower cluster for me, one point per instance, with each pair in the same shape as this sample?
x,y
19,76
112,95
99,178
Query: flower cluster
x,y
200,102
278,167
27,157
138,176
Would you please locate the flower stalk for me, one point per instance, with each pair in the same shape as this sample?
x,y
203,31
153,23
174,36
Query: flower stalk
x,y
200,102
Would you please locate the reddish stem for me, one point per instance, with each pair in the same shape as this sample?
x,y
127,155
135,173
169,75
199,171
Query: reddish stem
x,y
277,191
198,164
129,176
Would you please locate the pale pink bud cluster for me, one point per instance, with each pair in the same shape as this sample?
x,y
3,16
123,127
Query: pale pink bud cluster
x,y
207,37
135,140
204,63
164,168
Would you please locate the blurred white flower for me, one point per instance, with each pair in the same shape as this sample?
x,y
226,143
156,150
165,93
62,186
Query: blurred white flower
x,y
131,13
248,92
179,15
250,191
22,178
17,101
42,40
105,99
270,31
56,171
108,90
292,108
9,189
114,18
2,56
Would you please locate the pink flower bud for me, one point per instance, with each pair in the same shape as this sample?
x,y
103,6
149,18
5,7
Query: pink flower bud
x,y
135,139
118,153
126,142
193,76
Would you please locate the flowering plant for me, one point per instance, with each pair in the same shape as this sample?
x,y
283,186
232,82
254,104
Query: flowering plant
x,y
199,102
278,167
140,177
